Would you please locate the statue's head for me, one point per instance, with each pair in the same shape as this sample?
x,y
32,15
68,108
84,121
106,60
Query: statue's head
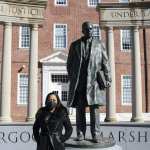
x,y
87,29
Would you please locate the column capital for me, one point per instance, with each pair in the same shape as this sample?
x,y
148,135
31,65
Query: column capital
x,y
135,27
34,26
110,28
8,23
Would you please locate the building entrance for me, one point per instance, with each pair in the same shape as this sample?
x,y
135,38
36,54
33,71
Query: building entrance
x,y
54,76
59,84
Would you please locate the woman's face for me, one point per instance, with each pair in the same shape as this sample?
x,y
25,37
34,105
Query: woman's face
x,y
53,98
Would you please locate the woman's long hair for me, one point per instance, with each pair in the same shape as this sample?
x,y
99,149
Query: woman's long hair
x,y
59,104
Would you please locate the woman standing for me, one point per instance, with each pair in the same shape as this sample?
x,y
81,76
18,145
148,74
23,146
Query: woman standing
x,y
49,123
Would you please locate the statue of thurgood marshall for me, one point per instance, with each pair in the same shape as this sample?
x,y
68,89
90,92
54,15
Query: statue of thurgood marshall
x,y
89,76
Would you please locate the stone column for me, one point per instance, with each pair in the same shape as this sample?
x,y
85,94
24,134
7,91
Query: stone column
x,y
33,74
137,115
111,95
5,105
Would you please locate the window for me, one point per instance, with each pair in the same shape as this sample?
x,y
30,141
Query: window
x,y
96,31
55,92
93,3
60,78
22,88
64,95
126,81
61,2
60,36
126,40
60,82
24,37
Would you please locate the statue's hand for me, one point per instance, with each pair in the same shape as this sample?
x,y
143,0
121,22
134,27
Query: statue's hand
x,y
108,84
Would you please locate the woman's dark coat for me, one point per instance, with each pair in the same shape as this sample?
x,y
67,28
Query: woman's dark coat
x,y
98,66
47,129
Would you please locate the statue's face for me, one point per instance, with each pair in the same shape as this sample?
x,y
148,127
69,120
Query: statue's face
x,y
87,30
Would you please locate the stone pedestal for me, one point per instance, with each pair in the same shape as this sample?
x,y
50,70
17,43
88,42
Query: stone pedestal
x,y
87,144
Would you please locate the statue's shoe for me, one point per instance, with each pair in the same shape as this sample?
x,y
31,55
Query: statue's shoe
x,y
80,137
95,140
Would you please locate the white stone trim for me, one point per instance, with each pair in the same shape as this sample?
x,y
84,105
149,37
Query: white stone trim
x,y
58,58
20,33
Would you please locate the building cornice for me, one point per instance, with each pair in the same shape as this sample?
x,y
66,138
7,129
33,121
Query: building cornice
x,y
31,2
124,5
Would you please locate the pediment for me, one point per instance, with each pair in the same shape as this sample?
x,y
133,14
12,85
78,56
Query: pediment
x,y
58,57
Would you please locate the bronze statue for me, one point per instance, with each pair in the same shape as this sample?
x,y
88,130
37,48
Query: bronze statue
x,y
89,75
